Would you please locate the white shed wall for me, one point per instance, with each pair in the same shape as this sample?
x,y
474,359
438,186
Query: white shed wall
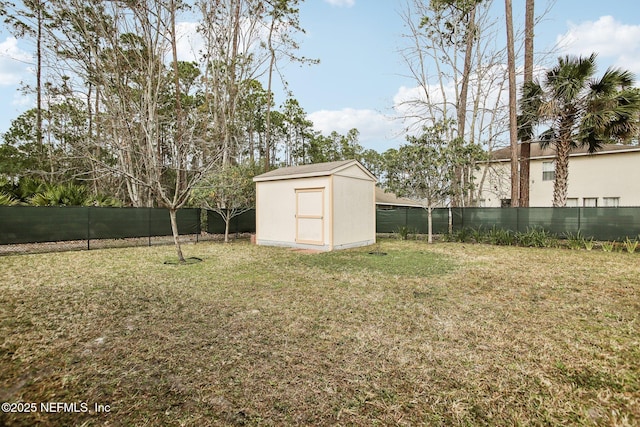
x,y
353,211
276,211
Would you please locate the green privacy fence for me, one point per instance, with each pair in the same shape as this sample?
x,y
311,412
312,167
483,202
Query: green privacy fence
x,y
391,220
243,223
387,221
599,223
28,224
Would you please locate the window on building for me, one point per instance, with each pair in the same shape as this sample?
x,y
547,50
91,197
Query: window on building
x,y
611,202
590,202
548,171
572,202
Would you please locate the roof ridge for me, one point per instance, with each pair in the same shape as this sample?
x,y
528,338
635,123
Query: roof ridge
x,y
503,153
312,168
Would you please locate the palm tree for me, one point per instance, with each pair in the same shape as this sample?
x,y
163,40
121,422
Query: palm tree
x,y
582,111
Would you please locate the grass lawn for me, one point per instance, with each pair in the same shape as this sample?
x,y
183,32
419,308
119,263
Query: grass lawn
x,y
444,334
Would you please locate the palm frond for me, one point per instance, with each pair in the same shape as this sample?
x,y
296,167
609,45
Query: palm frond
x,y
61,195
570,77
7,200
590,138
547,138
613,80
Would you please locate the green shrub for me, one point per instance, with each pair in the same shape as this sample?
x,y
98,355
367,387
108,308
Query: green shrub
x,y
103,200
589,244
448,237
574,240
536,238
630,245
403,232
7,200
478,234
464,235
500,236
61,195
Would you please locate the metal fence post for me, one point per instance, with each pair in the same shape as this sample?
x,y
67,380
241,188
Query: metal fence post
x,y
89,228
199,228
406,217
579,219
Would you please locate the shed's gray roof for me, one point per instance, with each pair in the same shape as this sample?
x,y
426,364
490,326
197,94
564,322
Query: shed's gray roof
x,y
390,199
315,169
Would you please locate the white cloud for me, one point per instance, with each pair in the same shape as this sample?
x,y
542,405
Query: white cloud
x,y
612,40
190,42
22,101
488,122
410,100
14,62
341,3
377,131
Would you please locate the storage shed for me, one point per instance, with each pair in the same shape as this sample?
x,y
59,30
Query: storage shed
x,y
322,206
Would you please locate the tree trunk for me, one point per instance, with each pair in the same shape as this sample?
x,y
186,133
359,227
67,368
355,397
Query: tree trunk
x,y
466,73
227,220
267,131
525,154
462,102
176,237
525,149
228,151
39,135
513,130
560,184
429,224
180,175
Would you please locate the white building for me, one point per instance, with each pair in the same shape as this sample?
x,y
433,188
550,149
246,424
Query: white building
x,y
323,206
610,177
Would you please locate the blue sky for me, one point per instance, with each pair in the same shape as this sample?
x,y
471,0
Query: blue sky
x,y
361,72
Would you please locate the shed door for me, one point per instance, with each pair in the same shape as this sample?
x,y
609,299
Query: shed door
x,y
310,216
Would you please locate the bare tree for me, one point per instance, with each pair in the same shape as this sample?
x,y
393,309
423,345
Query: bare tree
x,y
29,21
458,73
232,54
436,54
157,145
282,20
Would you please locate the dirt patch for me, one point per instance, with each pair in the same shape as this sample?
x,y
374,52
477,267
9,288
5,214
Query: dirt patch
x,y
306,251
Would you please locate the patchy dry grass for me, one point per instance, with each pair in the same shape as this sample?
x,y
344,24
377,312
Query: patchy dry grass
x,y
447,334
